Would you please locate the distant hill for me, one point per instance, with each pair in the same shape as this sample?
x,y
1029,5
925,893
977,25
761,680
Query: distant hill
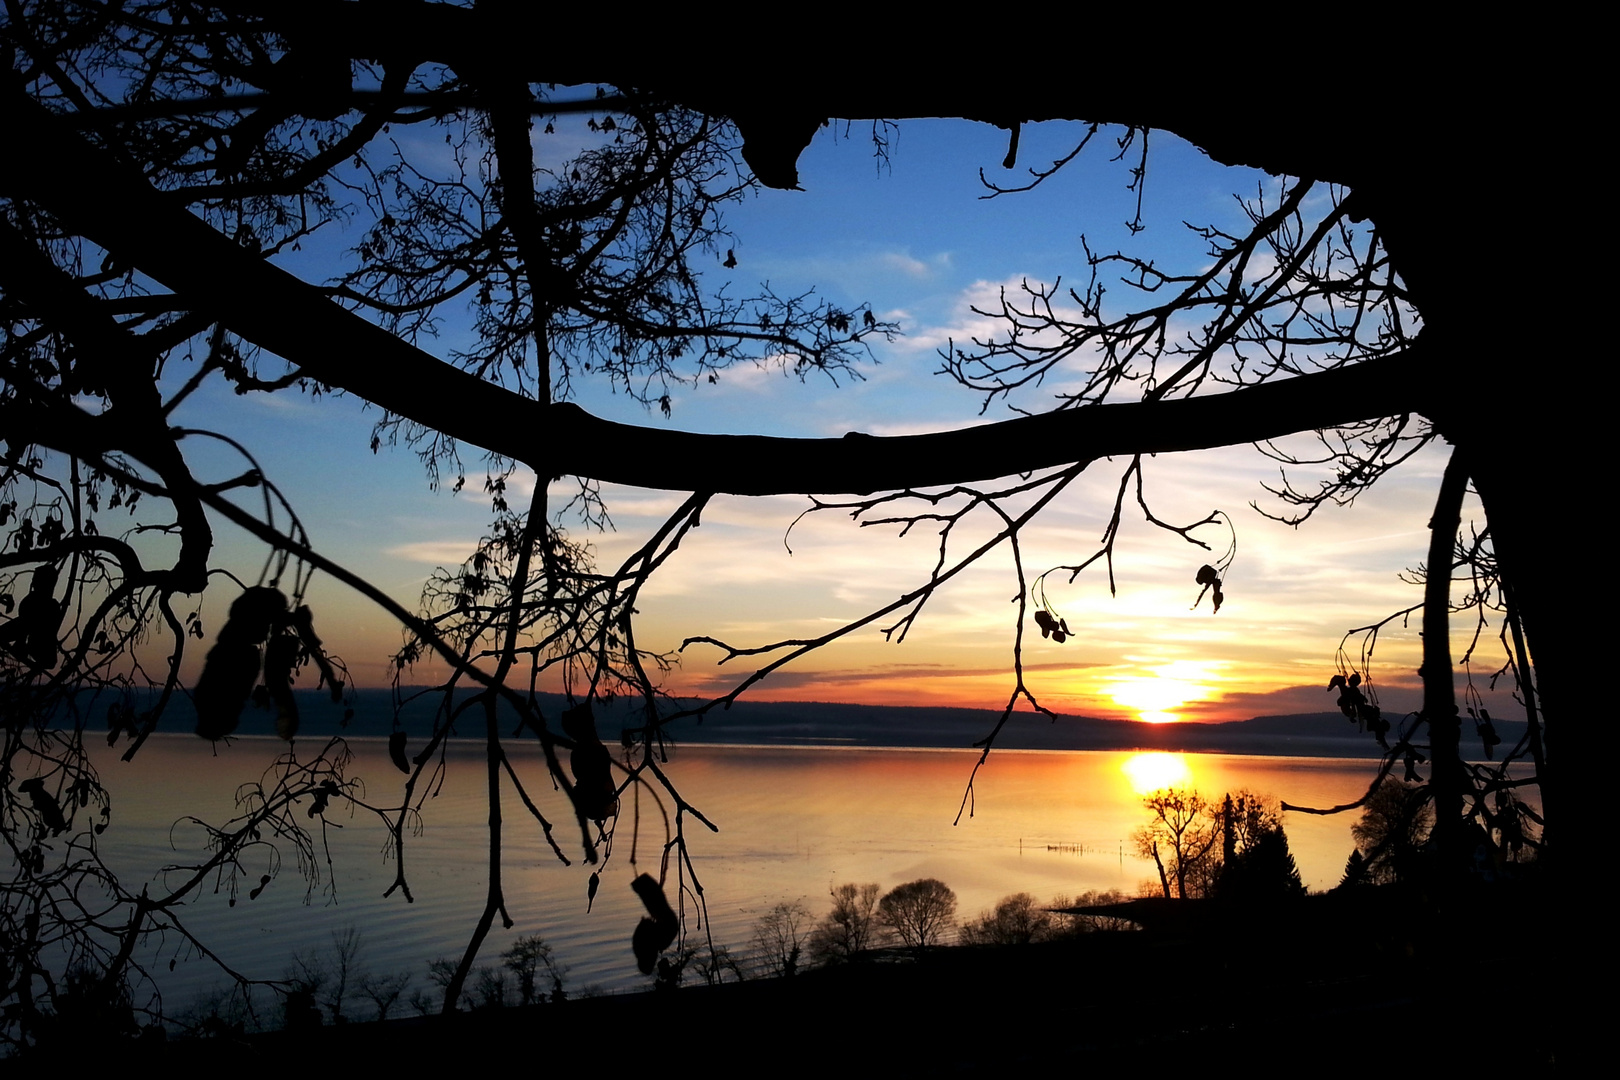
x,y
803,723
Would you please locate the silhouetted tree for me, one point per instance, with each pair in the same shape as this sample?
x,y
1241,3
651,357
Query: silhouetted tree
x,y
348,970
715,962
1265,870
489,985
1076,923
850,928
442,973
527,959
87,1017
920,912
1234,848
1181,840
162,157
384,991
1392,832
1017,920
1255,861
582,270
779,938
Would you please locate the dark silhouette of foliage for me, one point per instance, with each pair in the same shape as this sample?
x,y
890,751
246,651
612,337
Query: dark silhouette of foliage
x,y
442,973
780,938
1234,849
850,928
1181,840
385,991
87,1016
920,912
528,958
328,978
1392,832
1075,922
1264,870
715,963
1018,919
1255,861
167,161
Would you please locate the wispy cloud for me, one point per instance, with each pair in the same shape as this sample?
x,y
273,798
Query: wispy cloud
x,y
433,552
906,263
978,313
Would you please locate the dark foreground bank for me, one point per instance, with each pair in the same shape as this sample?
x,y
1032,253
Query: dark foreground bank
x,y
1359,981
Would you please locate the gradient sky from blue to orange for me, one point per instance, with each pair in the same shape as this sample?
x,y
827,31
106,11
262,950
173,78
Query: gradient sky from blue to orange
x,y
917,242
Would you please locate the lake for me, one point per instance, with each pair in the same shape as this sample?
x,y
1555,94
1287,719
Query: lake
x,y
793,822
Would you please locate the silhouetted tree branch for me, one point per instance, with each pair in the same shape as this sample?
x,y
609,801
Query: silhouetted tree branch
x,y
165,156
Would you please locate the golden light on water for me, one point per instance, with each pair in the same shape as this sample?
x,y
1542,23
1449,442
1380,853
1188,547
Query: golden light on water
x,y
1151,772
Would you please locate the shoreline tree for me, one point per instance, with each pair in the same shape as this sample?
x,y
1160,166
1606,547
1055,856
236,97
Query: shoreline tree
x,y
166,155
1233,850
780,939
920,912
1018,919
1180,840
1391,833
850,928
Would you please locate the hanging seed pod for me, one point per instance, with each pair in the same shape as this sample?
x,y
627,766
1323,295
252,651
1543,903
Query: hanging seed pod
x,y
396,752
41,617
44,804
279,657
1487,734
232,665
223,687
254,613
1209,579
322,794
592,765
657,930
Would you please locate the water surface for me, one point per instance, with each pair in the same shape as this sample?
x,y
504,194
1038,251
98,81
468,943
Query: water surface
x,y
793,822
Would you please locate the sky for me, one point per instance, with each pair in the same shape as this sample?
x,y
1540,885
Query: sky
x,y
913,238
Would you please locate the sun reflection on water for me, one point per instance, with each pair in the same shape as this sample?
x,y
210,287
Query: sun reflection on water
x,y
1149,772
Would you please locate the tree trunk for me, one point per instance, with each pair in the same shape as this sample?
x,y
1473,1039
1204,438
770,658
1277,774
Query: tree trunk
x,y
1531,525
1439,693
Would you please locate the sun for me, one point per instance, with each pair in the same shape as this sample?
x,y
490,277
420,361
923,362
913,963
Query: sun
x,y
1154,696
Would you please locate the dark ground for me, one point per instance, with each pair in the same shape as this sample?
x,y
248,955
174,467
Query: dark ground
x,y
1353,982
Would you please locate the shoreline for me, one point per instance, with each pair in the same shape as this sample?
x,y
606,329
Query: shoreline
x,y
767,725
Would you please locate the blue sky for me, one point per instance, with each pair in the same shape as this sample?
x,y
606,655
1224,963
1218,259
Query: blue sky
x,y
914,239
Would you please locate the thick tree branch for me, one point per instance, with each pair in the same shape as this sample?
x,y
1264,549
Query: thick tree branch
x,y
779,116
93,194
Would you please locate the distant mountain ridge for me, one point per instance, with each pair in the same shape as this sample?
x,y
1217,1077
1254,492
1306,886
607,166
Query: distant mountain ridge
x,y
800,723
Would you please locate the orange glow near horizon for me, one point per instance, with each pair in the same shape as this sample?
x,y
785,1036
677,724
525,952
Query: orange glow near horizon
x,y
1155,696
1154,771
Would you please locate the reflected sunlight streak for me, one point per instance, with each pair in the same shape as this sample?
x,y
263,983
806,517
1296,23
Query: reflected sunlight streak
x,y
1153,771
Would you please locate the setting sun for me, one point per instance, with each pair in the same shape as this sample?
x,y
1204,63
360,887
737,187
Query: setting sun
x,y
1155,695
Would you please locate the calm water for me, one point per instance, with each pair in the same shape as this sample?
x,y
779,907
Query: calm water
x,y
792,823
